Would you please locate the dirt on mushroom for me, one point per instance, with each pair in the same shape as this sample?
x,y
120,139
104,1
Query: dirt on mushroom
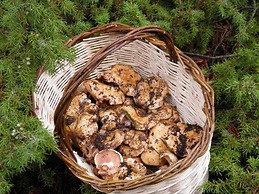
x,y
124,126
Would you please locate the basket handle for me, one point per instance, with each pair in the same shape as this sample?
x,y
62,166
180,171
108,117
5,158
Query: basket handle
x,y
141,32
153,34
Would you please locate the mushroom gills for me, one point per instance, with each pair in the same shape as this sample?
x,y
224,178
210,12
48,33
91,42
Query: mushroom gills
x,y
108,162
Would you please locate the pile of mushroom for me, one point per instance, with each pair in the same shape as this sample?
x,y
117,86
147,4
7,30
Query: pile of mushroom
x,y
122,124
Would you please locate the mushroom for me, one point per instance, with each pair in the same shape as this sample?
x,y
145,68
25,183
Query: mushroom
x,y
76,107
135,142
151,157
159,90
193,134
167,111
108,163
80,104
109,139
108,118
170,157
102,92
112,116
182,138
70,123
129,135
82,137
124,76
136,168
129,101
135,139
151,92
156,134
124,121
157,147
87,123
175,118
89,151
87,119
131,168
81,123
140,119
127,151
142,94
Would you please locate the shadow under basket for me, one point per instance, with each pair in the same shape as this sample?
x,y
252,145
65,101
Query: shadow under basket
x,y
150,51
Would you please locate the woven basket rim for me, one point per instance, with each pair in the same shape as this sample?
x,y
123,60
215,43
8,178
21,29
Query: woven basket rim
x,y
160,38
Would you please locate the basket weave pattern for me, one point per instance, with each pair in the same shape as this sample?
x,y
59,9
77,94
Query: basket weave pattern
x,y
150,51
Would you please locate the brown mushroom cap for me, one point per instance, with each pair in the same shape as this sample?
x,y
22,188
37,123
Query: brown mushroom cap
x,y
108,161
104,93
108,118
160,90
139,120
182,138
164,112
151,92
81,123
142,94
122,75
127,151
135,139
158,153
77,104
152,158
109,139
137,168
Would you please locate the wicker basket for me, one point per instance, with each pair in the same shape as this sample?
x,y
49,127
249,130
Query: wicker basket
x,y
150,50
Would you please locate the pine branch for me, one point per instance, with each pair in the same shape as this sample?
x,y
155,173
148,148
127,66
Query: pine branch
x,y
209,57
255,8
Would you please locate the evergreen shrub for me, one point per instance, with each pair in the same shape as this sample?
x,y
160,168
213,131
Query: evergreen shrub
x,y
222,36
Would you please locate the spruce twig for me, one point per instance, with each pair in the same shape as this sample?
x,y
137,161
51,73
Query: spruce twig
x,y
220,42
209,57
255,8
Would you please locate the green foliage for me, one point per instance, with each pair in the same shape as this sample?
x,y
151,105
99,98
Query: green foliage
x,y
31,38
33,34
235,153
237,82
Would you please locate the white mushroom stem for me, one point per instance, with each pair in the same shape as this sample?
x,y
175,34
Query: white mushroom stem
x,y
107,168
169,156
108,164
